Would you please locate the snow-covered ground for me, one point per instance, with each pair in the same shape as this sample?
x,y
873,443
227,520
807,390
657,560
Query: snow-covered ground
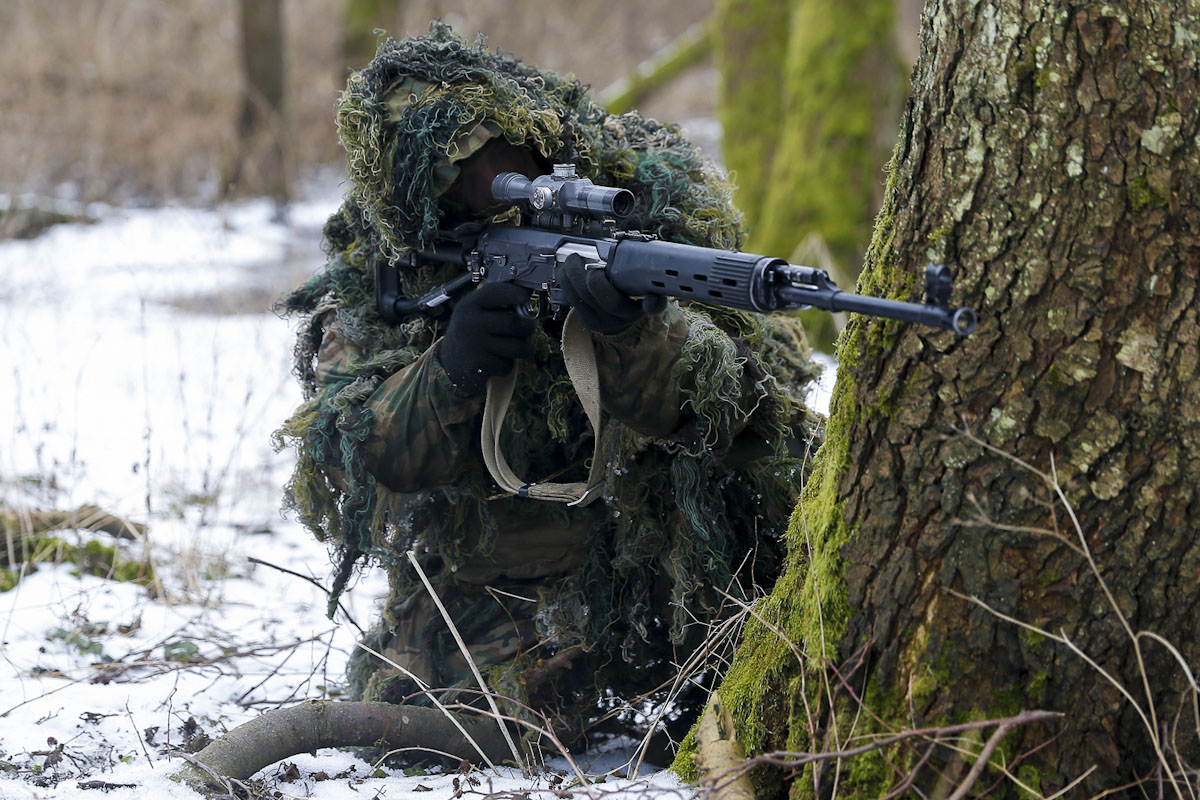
x,y
141,371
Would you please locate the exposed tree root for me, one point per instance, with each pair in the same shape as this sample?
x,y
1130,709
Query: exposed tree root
x,y
310,726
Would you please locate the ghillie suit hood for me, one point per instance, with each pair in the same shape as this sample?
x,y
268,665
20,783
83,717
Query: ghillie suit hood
x,y
405,120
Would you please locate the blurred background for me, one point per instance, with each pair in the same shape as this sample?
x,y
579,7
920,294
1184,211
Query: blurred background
x,y
141,102
138,101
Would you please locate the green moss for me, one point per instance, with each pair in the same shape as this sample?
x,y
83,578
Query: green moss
x,y
750,44
843,82
1031,776
869,769
684,764
1142,194
1037,685
91,558
95,558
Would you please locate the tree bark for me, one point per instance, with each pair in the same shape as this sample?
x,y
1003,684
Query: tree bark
x,y
750,39
843,88
1049,152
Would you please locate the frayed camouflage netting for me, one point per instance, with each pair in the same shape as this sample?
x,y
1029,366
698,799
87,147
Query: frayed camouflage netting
x,y
677,515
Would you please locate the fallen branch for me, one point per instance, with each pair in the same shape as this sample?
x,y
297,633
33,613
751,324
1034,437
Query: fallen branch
x,y
87,517
311,580
303,728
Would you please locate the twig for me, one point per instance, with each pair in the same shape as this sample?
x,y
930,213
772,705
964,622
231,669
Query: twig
x,y
547,732
39,697
218,778
907,783
981,761
313,581
786,759
424,688
268,676
689,668
141,739
169,666
1148,715
462,646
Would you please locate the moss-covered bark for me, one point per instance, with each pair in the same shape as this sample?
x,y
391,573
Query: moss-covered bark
x,y
1049,152
843,89
811,95
750,40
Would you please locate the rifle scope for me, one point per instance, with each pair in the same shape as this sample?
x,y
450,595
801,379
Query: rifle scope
x,y
563,192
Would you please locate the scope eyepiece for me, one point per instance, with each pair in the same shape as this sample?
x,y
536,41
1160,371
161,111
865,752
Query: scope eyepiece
x,y
563,192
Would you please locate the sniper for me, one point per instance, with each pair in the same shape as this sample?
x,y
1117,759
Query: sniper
x,y
644,508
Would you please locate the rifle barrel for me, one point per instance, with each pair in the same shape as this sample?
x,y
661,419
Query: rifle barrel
x,y
957,320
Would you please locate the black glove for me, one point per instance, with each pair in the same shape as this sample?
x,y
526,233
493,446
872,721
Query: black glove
x,y
486,335
602,307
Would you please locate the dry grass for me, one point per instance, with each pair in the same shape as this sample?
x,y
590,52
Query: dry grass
x,y
133,101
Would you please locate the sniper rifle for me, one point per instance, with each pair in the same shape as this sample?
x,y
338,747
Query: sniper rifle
x,y
565,217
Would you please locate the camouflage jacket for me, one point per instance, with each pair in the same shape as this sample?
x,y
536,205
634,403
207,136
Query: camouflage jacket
x,y
425,433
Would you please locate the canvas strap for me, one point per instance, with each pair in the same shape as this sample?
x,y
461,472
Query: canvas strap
x,y
580,358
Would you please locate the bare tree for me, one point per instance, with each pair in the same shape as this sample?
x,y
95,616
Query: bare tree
x,y
257,159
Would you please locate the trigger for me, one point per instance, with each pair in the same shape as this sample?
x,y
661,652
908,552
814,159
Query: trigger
x,y
537,306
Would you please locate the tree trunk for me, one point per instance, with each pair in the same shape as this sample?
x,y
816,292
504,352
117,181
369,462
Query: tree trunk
x,y
257,161
843,88
811,95
750,39
1049,152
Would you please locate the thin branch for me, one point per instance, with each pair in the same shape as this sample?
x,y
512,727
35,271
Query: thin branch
x,y
424,688
313,581
462,646
786,759
981,761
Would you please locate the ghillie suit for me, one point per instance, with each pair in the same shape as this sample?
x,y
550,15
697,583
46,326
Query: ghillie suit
x,y
560,606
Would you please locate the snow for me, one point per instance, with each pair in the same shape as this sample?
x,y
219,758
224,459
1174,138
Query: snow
x,y
142,371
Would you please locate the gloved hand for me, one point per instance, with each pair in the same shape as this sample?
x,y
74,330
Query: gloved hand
x,y
486,335
602,307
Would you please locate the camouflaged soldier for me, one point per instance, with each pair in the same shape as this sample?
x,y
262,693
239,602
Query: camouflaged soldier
x,y
704,435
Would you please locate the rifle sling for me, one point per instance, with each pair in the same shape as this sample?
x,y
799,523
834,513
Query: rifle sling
x,y
580,358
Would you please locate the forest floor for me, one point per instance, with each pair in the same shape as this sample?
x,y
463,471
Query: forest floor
x,y
142,372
